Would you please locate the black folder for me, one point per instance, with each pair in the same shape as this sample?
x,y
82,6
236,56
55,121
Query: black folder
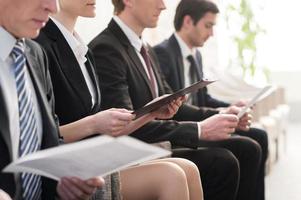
x,y
166,100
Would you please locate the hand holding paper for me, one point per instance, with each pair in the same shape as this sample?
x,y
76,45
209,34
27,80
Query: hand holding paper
x,y
260,95
244,122
78,188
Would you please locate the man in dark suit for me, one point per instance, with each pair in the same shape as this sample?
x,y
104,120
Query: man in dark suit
x,y
130,78
194,21
27,119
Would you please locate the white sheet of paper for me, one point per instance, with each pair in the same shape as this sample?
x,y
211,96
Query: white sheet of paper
x,y
97,156
260,95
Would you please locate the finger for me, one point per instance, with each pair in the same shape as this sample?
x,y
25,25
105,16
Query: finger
x,y
242,125
96,182
233,110
125,116
250,116
172,108
65,189
117,131
123,110
84,189
179,102
119,123
249,122
60,191
246,116
75,187
243,119
231,130
230,117
244,128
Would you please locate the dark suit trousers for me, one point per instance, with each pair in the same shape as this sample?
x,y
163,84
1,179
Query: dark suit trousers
x,y
261,137
248,153
219,170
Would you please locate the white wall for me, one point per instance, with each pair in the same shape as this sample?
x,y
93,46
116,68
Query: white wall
x,y
89,28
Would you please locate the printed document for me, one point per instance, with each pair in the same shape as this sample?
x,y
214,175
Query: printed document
x,y
260,95
88,158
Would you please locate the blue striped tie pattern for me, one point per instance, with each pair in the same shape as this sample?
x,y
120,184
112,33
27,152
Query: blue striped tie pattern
x,y
29,143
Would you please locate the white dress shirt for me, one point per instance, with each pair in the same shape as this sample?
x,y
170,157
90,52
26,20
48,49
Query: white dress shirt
x,y
8,86
137,43
80,50
186,51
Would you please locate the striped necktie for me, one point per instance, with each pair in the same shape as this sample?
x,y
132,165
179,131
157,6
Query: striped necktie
x,y
29,143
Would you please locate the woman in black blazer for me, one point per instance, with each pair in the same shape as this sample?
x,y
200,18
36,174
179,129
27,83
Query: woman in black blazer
x,y
78,107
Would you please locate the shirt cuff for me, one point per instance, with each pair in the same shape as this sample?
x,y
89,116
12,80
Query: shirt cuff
x,y
199,129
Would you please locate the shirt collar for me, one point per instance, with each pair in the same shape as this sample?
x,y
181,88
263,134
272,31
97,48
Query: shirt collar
x,y
75,42
7,43
185,50
134,39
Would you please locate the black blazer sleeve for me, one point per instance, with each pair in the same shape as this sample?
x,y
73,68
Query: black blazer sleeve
x,y
212,102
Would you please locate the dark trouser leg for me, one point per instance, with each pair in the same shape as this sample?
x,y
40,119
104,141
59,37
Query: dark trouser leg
x,y
248,153
261,137
219,171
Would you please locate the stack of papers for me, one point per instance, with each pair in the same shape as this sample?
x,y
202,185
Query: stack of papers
x,y
97,156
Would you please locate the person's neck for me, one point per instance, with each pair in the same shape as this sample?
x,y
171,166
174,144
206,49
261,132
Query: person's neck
x,y
67,20
184,37
132,23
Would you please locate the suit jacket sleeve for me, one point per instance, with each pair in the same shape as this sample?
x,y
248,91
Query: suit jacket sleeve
x,y
212,102
113,67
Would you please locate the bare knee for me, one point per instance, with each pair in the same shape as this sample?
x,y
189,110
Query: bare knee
x,y
190,169
158,180
172,172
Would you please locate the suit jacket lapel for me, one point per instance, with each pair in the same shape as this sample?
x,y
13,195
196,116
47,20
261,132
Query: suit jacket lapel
x,y
116,30
4,124
179,59
40,92
199,65
92,73
69,64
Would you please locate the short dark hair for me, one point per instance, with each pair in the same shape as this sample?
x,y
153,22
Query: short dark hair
x,y
196,9
118,6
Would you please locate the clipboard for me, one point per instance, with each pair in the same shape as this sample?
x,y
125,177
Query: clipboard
x,y
166,100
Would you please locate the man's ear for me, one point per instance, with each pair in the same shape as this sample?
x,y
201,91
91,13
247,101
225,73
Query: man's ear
x,y
128,3
187,22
